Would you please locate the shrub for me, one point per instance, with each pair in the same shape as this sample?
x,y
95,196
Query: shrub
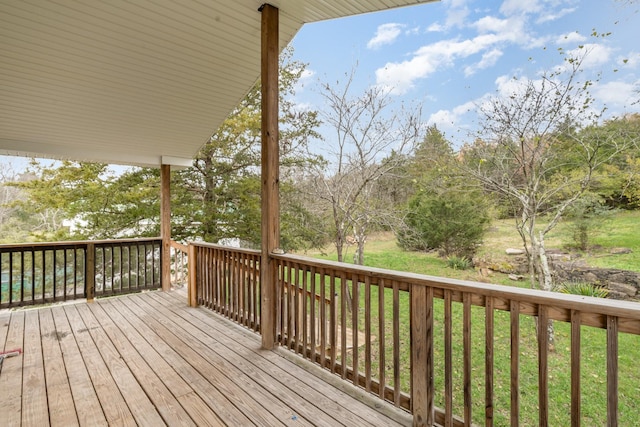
x,y
589,217
584,289
459,263
451,223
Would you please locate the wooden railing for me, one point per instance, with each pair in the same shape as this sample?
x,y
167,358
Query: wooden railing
x,y
179,264
432,345
38,273
226,280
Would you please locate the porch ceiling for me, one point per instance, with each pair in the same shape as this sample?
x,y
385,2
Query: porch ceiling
x,y
133,82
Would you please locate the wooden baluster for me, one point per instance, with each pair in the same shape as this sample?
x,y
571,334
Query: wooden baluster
x,y
448,360
355,311
543,365
381,334
312,314
488,367
515,362
367,332
343,324
90,272
333,320
396,343
575,368
612,371
323,318
466,361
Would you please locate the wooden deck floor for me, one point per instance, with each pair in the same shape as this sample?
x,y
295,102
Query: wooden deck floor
x,y
149,360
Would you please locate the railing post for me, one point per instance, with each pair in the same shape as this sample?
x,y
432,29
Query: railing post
x,y
90,272
270,197
165,226
192,287
422,355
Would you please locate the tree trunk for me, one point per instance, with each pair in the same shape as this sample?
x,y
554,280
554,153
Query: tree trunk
x,y
543,272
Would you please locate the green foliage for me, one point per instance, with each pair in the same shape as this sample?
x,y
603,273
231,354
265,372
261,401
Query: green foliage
x,y
459,263
102,203
588,216
583,289
451,223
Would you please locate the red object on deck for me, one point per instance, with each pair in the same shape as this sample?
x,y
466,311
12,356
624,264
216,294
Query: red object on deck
x,y
9,353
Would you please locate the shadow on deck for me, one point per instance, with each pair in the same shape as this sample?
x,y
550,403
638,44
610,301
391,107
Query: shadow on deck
x,y
148,359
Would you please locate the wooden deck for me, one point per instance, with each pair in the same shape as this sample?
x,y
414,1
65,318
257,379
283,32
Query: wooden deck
x,y
148,359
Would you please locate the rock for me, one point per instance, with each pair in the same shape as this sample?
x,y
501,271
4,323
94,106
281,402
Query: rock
x,y
590,278
622,288
516,277
617,295
559,256
514,251
620,251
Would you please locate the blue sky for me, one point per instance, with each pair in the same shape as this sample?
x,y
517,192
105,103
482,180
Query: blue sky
x,y
450,55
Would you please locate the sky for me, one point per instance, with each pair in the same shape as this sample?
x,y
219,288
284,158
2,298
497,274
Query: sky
x,y
450,55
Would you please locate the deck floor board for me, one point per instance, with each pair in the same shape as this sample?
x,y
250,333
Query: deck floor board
x,y
149,360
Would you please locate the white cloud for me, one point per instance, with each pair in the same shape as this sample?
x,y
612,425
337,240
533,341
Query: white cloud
x,y
520,7
400,77
304,79
593,55
489,59
550,16
386,34
491,24
617,95
571,38
456,15
449,120
436,28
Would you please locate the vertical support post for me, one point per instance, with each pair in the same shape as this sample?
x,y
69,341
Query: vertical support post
x,y
422,355
270,174
90,272
192,290
165,226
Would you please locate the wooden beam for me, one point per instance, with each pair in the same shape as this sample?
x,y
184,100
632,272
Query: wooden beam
x,y
165,225
270,174
192,287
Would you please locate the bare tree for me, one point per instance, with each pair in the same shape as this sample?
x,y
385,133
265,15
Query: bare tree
x,y
369,143
532,154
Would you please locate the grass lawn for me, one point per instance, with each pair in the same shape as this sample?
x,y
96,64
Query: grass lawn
x,y
382,251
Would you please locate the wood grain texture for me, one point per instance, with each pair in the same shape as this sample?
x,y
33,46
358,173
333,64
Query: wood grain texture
x,y
111,361
270,174
612,371
575,368
165,226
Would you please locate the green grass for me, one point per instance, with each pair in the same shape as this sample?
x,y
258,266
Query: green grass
x,y
381,251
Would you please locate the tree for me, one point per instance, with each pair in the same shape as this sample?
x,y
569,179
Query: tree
x,y
369,145
100,202
454,224
444,212
532,154
221,192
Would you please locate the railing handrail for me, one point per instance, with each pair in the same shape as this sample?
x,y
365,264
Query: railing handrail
x,y
179,246
535,297
75,243
223,247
